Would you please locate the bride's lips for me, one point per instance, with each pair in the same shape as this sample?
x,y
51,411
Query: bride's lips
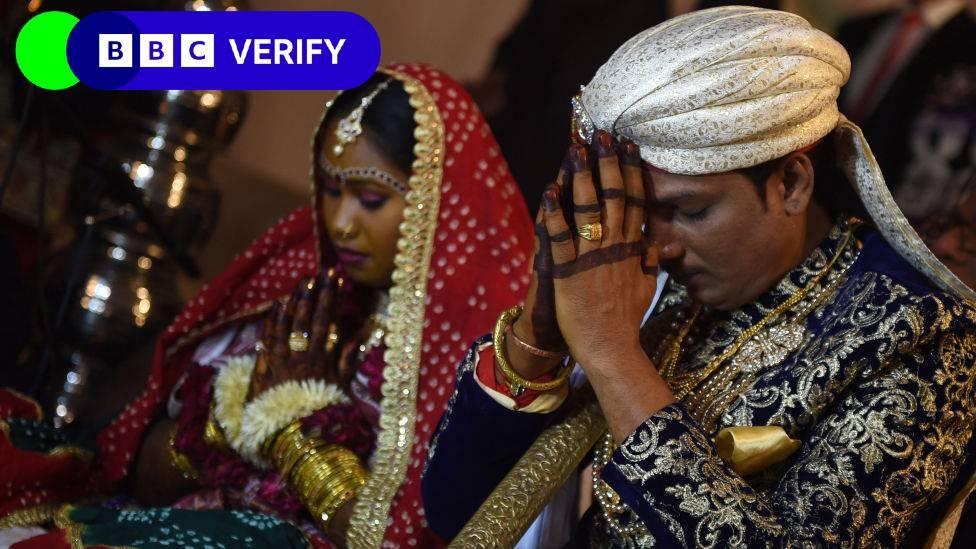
x,y
349,257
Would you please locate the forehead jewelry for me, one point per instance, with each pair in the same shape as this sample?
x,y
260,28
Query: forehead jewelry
x,y
375,174
351,126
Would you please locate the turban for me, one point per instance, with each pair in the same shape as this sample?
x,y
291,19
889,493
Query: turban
x,y
729,88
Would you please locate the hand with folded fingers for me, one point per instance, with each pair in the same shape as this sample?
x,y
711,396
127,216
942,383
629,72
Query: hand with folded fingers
x,y
301,337
604,266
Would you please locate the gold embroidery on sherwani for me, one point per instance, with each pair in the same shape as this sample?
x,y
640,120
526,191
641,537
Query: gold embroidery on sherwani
x,y
708,389
820,499
882,401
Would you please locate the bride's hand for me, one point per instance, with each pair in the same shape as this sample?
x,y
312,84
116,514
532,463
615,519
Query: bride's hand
x,y
301,338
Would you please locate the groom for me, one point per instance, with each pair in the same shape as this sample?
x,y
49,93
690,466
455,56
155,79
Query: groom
x,y
807,379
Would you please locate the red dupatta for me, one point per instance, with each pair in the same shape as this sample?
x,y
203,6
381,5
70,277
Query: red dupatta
x,y
464,255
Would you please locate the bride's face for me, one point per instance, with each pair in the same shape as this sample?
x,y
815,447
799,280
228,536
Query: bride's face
x,y
362,212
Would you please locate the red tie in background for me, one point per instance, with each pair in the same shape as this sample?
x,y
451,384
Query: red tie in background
x,y
894,53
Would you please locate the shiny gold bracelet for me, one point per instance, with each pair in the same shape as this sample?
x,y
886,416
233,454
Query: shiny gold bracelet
x,y
274,444
318,472
324,470
179,459
289,446
326,511
340,490
329,481
308,458
325,476
516,383
330,487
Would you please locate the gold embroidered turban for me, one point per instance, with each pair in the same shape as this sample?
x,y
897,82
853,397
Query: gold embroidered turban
x,y
727,88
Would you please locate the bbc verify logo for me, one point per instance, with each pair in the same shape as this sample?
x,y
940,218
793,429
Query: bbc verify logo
x,y
197,51
222,50
155,51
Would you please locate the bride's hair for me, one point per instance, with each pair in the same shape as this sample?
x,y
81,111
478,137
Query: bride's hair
x,y
388,121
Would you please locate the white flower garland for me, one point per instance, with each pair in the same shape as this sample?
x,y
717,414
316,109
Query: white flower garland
x,y
276,408
230,391
247,426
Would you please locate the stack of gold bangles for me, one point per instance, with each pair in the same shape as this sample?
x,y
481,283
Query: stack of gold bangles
x,y
516,383
325,476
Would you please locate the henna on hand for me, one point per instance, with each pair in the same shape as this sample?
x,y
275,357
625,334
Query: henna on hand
x,y
308,310
596,281
597,258
545,329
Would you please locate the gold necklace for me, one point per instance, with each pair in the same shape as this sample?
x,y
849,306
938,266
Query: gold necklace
x,y
683,384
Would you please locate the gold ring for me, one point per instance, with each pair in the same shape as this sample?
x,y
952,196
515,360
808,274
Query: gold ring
x,y
590,231
298,341
332,339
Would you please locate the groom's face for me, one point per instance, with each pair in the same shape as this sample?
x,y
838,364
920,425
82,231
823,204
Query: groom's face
x,y
720,238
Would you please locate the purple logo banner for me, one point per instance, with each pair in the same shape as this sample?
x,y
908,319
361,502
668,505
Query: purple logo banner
x,y
244,50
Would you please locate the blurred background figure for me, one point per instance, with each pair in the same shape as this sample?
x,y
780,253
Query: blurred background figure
x,y
951,234
540,64
913,90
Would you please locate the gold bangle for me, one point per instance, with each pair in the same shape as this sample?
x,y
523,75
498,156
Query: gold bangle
x,y
331,486
327,480
325,476
326,513
326,509
516,383
325,465
179,459
273,445
291,470
213,435
528,347
302,454
325,469
289,446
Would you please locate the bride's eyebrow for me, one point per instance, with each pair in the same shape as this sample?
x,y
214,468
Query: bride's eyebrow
x,y
367,183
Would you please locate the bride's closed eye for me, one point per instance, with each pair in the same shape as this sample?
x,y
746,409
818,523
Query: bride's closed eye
x,y
372,200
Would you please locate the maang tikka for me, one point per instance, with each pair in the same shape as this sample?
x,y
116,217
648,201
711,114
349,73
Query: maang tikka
x,y
351,126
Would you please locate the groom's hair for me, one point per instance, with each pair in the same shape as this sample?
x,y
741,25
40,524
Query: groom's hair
x,y
830,187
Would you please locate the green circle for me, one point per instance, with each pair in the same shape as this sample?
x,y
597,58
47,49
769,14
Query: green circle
x,y
42,50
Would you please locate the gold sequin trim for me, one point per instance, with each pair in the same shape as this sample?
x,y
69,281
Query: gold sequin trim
x,y
30,516
527,488
405,327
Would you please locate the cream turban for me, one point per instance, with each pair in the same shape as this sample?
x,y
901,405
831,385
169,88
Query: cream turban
x,y
720,89
727,88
